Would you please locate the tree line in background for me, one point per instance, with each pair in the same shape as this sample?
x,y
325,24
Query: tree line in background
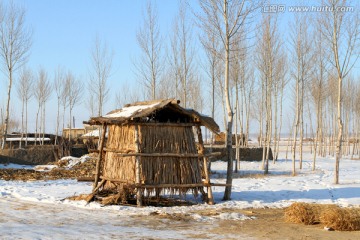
x,y
229,58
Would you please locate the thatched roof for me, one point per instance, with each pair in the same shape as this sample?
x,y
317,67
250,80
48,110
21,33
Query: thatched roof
x,y
165,110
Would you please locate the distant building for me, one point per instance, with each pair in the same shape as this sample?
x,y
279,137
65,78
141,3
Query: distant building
x,y
78,132
74,132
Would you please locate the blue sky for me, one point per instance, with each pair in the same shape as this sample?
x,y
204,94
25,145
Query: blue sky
x,y
64,32
63,35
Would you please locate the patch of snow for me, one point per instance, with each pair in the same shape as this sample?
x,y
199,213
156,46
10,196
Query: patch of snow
x,y
73,161
42,168
29,139
94,133
16,166
234,216
129,111
276,190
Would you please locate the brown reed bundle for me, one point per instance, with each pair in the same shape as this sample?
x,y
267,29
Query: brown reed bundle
x,y
154,170
169,170
86,197
119,137
302,213
341,219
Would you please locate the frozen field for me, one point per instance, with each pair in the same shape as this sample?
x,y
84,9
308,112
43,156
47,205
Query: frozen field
x,y
36,210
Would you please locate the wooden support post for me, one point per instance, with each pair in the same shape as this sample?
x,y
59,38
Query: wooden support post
x,y
101,147
137,168
207,178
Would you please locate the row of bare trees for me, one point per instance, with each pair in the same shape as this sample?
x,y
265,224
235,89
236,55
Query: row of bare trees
x,y
231,55
15,44
68,91
323,54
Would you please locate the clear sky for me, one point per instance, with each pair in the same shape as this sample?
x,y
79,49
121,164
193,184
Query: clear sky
x,y
64,33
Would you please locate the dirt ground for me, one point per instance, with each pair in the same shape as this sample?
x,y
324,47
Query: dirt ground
x,y
270,224
68,222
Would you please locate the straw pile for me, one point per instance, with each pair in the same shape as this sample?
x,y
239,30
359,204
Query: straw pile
x,y
305,213
154,170
331,216
341,219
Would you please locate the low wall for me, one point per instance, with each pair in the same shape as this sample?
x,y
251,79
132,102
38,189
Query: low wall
x,y
31,155
246,154
79,150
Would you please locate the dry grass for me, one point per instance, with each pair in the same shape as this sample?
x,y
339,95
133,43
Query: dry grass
x,y
302,213
341,219
331,216
86,197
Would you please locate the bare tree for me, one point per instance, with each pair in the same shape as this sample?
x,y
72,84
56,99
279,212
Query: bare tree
x,y
227,20
65,98
210,44
302,62
341,31
126,94
90,104
318,88
149,66
271,62
15,43
173,57
42,91
266,64
25,92
59,83
100,72
74,92
282,81
184,48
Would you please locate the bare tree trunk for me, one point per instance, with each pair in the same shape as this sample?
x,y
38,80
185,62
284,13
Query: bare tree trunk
x,y
22,123
227,193
26,122
276,134
269,126
237,160
281,116
43,128
36,123
340,130
301,125
296,127
7,114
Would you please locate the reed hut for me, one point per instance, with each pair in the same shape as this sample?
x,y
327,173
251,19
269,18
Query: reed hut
x,y
151,149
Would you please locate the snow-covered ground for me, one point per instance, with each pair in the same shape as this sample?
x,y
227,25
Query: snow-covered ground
x,y
39,208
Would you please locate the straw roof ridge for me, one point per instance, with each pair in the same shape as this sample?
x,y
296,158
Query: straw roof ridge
x,y
139,110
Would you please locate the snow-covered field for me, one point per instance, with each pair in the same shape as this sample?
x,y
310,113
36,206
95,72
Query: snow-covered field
x,y
39,210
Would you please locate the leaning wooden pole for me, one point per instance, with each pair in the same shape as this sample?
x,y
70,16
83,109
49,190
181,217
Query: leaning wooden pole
x,y
101,148
137,168
207,178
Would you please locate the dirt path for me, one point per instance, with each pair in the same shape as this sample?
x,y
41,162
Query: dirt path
x,y
30,220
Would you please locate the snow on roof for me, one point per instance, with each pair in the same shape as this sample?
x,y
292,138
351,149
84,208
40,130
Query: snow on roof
x,y
68,129
94,133
129,111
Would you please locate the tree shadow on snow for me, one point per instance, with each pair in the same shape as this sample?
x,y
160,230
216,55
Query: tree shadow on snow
x,y
269,196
